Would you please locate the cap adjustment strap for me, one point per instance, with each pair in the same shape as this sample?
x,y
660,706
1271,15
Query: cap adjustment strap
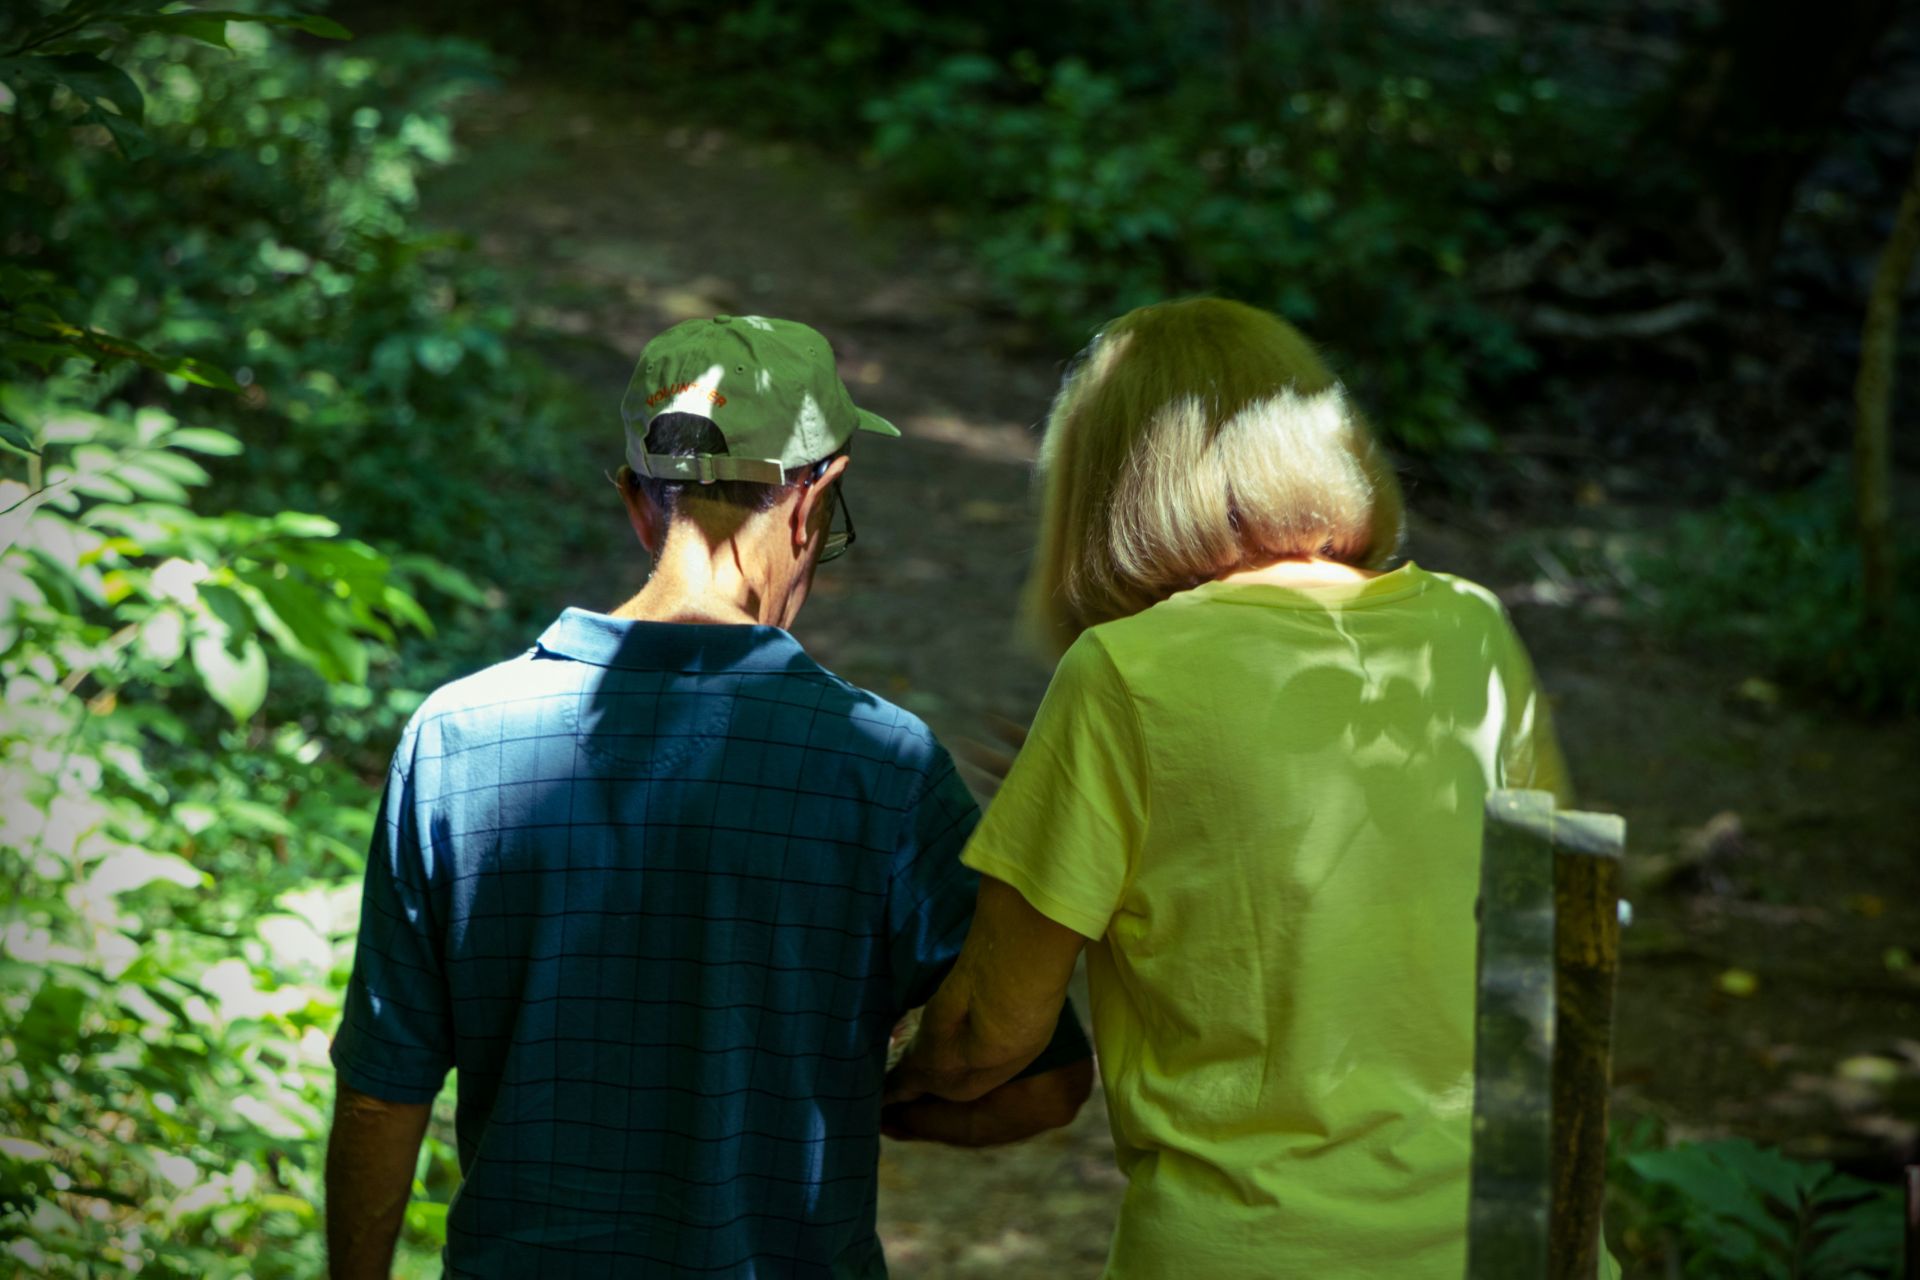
x,y
705,468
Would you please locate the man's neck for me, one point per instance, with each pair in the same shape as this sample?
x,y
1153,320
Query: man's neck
x,y
713,584
702,611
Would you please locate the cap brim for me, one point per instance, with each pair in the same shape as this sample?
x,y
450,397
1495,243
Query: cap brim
x,y
875,423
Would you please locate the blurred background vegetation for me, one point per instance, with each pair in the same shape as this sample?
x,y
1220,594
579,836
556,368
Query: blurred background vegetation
x,y
255,410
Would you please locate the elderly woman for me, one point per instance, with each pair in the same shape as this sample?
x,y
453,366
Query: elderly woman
x,y
1253,794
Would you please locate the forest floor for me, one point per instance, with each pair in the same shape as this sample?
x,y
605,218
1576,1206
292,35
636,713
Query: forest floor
x,y
1766,836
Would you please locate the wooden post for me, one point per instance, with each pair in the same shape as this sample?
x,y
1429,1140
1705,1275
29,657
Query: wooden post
x,y
1912,1271
1549,951
1872,399
1586,955
1511,1196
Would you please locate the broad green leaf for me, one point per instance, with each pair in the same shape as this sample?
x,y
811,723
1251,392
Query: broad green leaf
x,y
298,617
303,524
294,944
251,815
175,466
1861,1240
206,28
98,345
147,481
1707,1182
227,608
205,440
162,637
311,23
406,610
236,679
17,437
198,372
42,355
442,577
87,77
281,1203
129,869
100,484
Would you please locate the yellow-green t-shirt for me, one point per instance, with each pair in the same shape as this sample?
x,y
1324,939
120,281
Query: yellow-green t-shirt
x,y
1264,805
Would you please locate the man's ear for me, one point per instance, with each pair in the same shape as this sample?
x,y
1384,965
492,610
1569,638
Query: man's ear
x,y
812,496
648,521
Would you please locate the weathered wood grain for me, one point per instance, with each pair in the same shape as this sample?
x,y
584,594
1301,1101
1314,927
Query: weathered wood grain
x,y
1586,892
1511,1194
1549,952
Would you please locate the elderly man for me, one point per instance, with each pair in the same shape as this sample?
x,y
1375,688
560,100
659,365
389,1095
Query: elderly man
x,y
661,887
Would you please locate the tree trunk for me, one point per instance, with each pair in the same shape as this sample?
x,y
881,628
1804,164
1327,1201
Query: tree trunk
x,y
1872,401
1756,99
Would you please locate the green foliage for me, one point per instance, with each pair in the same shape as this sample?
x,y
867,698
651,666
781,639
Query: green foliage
x,y
1353,167
215,304
278,222
172,946
1349,199
1733,1208
1779,576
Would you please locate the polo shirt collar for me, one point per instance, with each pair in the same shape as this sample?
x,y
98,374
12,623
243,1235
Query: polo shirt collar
x,y
604,641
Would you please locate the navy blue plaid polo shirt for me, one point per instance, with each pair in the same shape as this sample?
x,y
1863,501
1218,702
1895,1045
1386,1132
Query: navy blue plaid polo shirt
x,y
659,893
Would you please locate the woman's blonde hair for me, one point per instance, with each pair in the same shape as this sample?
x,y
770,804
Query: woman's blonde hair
x,y
1191,439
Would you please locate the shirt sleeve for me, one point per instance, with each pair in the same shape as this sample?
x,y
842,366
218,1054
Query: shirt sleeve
x,y
396,1037
930,894
1068,824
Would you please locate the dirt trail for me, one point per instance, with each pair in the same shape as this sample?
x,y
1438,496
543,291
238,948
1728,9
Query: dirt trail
x,y
612,224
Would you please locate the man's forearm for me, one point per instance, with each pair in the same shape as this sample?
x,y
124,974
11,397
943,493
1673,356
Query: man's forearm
x,y
1018,1109
370,1162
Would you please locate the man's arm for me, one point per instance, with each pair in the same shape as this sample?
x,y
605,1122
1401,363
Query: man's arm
x,y
370,1163
998,1008
1017,1109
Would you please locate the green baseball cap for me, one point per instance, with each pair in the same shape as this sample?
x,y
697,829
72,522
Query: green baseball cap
x,y
770,386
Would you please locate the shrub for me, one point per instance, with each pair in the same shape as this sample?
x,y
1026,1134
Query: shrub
x,y
1733,1208
217,305
1779,575
1347,196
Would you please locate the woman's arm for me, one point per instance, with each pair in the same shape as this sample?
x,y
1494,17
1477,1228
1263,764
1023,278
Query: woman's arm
x,y
998,1008
1017,1109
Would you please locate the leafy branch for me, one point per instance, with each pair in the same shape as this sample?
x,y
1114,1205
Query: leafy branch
x,y
64,51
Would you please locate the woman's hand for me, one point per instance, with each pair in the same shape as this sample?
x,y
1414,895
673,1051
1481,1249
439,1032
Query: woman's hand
x,y
998,1008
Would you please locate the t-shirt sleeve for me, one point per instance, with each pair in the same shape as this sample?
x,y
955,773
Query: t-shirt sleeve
x,y
930,894
396,1037
1067,825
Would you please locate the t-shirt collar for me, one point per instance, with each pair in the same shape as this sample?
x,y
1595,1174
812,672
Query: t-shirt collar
x,y
605,641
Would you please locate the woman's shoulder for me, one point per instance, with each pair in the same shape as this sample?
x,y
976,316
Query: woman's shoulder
x,y
1457,589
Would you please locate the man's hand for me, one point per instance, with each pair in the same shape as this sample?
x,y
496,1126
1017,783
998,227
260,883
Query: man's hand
x,y
998,1008
370,1161
1017,1109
